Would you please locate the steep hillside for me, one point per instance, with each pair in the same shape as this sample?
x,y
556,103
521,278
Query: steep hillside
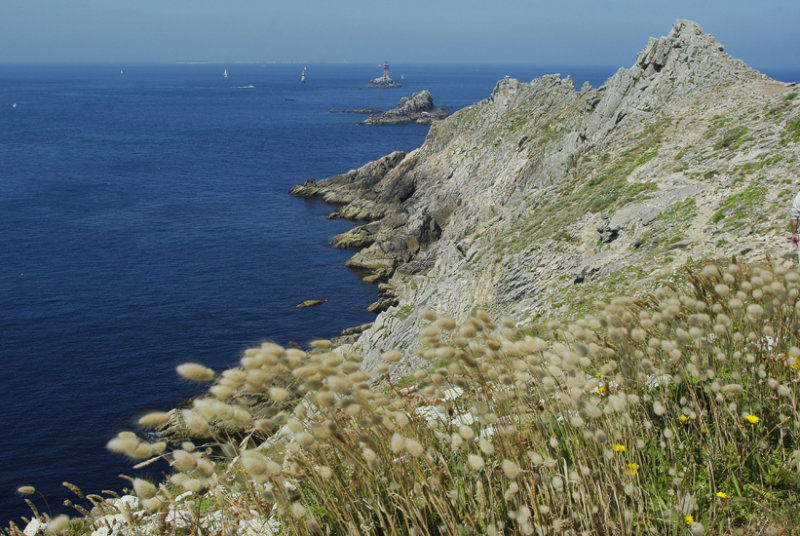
x,y
542,198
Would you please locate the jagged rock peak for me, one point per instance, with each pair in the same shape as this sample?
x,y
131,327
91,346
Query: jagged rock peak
x,y
687,49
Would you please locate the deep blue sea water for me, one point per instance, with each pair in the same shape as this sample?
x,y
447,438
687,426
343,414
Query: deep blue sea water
x,y
145,221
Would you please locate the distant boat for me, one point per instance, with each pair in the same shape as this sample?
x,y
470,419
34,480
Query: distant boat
x,y
121,71
225,73
303,76
14,105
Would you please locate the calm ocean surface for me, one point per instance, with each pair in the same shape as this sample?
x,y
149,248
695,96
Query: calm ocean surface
x,y
145,221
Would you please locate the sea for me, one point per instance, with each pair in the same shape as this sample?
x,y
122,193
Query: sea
x,y
145,221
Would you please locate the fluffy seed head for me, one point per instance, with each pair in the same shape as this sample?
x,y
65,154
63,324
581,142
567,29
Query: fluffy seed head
x,y
143,488
192,484
59,524
195,422
123,444
511,469
278,394
475,462
466,432
254,463
183,460
273,468
195,372
398,443
392,356
153,419
413,447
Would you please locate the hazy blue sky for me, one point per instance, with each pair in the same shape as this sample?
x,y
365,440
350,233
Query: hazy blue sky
x,y
764,33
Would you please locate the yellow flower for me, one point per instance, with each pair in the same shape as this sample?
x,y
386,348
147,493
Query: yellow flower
x,y
796,365
688,519
618,448
722,495
683,418
703,430
752,419
632,468
600,389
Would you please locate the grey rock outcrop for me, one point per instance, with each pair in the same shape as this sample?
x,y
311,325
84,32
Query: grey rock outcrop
x,y
540,198
418,108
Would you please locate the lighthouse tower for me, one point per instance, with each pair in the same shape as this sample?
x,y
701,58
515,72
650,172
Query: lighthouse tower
x,y
385,80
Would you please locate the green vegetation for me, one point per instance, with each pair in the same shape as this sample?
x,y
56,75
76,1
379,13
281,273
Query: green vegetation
x,y
742,207
601,188
793,129
731,138
404,311
679,212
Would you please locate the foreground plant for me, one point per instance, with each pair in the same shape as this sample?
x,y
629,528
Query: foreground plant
x,y
676,413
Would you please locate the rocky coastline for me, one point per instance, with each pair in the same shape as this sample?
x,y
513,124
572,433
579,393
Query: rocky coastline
x,y
534,204
525,202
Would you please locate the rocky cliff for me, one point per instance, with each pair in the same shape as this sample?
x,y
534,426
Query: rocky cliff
x,y
541,198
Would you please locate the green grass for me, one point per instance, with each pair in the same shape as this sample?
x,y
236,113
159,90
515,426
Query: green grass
x,y
793,129
739,208
731,137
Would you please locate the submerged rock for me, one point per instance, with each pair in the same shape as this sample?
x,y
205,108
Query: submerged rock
x,y
310,303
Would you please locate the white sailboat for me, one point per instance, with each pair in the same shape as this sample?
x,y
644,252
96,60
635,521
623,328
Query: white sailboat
x,y
225,73
303,76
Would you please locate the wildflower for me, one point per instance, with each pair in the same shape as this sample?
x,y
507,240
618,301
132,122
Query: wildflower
x,y
752,419
600,389
632,468
617,447
722,495
688,519
683,418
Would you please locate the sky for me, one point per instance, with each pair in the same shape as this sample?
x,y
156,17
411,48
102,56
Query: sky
x,y
763,33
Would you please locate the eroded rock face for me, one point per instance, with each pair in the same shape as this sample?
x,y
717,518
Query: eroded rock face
x,y
525,202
